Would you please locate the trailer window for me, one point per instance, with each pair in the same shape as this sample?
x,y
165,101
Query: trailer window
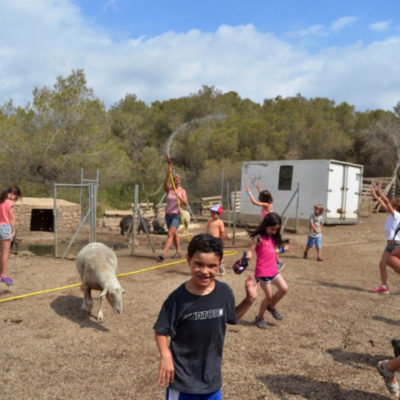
x,y
285,177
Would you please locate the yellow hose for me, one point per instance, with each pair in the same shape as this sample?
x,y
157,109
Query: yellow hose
x,y
179,205
22,296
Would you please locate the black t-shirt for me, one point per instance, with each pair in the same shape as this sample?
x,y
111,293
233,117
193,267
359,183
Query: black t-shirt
x,y
197,326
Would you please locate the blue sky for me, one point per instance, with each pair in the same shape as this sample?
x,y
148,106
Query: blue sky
x,y
160,49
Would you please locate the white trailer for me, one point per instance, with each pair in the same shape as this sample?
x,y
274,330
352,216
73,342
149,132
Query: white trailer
x,y
335,184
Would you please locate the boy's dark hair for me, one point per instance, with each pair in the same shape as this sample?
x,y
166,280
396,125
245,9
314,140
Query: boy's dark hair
x,y
206,243
12,189
265,196
271,219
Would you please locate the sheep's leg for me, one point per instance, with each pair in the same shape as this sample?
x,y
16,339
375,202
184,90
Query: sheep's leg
x,y
87,303
100,313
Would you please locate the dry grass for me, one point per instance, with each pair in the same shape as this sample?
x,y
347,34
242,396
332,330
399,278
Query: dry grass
x,y
333,333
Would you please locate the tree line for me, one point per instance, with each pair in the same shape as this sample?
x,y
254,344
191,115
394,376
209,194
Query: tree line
x,y
66,128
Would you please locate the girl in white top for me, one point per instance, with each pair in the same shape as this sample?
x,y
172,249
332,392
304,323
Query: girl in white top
x,y
392,237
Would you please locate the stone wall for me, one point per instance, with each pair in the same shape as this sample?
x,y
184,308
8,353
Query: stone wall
x,y
68,216
112,218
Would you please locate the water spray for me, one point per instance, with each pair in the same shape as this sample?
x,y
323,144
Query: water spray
x,y
216,117
196,121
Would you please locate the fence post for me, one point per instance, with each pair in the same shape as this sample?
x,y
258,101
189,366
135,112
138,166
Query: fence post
x,y
234,217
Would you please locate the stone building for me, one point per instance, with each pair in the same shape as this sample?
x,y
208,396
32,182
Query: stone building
x,y
36,214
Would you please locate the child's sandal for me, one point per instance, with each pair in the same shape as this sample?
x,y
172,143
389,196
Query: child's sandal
x,y
275,313
385,373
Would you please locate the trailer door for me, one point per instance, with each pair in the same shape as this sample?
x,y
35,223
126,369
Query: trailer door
x,y
353,192
335,192
344,184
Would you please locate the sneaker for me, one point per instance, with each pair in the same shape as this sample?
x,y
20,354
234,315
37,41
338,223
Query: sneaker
x,y
7,280
381,289
222,269
396,346
275,313
177,255
280,265
261,323
161,257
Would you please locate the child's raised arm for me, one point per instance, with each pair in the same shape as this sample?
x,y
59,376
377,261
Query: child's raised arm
x,y
254,201
385,202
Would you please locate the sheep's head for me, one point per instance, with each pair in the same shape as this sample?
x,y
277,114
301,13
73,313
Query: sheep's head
x,y
114,297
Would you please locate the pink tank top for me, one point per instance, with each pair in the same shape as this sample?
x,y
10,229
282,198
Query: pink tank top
x,y
172,203
264,212
266,258
5,206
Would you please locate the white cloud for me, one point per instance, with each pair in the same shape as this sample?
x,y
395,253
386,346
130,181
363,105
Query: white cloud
x,y
314,30
380,26
342,23
54,39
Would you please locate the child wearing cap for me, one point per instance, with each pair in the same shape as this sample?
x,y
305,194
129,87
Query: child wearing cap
x,y
215,227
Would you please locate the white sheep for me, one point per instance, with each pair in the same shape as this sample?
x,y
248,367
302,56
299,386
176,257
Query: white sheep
x,y
97,266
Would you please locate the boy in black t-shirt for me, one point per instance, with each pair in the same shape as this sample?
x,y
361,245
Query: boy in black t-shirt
x,y
194,316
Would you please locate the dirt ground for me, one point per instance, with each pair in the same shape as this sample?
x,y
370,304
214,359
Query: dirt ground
x,y
333,333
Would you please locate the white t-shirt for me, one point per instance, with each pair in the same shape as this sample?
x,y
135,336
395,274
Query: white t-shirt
x,y
391,224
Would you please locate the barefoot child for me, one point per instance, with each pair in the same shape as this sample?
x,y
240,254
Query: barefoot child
x,y
215,227
266,243
194,316
315,234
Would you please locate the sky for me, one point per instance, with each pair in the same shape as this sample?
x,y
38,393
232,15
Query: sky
x,y
347,51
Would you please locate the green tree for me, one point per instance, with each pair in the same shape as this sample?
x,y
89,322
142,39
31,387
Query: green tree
x,y
68,130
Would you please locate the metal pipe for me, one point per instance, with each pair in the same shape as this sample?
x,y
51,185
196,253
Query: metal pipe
x,y
234,217
135,207
55,220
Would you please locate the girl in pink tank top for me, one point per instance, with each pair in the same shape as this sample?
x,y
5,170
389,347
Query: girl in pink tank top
x,y
264,200
266,243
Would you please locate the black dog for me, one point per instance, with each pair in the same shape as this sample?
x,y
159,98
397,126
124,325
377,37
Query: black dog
x,y
158,227
126,224
144,226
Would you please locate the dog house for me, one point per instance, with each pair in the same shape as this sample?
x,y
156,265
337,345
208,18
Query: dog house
x,y
37,214
337,185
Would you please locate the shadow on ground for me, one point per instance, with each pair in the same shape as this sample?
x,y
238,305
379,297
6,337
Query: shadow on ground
x,y
352,358
70,307
312,389
388,321
334,285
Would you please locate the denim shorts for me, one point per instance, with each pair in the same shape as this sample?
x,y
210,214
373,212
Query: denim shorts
x,y
173,220
391,246
175,395
314,240
267,279
5,232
